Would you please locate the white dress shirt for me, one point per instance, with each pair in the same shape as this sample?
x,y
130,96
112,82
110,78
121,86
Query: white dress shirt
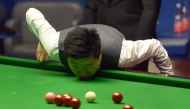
x,y
132,52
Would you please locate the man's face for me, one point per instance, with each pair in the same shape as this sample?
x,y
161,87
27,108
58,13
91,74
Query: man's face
x,y
84,68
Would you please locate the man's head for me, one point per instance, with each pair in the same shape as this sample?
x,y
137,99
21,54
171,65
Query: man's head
x,y
83,50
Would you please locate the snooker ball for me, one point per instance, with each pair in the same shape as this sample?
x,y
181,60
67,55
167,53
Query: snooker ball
x,y
67,99
67,95
75,103
117,97
90,96
128,107
49,97
58,100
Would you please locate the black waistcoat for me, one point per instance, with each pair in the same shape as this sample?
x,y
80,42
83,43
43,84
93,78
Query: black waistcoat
x,y
111,42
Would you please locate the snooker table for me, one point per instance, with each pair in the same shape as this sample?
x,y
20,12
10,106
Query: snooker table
x,y
25,82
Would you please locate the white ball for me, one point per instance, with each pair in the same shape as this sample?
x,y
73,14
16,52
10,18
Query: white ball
x,y
90,96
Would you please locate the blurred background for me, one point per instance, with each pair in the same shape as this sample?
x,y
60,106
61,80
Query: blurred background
x,y
173,28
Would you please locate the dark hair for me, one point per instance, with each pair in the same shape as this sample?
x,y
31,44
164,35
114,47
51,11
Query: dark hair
x,y
81,43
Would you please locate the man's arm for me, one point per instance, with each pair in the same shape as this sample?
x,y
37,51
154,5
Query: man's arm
x,y
148,21
46,34
90,11
136,52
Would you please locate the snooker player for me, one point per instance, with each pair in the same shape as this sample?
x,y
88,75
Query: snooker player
x,y
87,48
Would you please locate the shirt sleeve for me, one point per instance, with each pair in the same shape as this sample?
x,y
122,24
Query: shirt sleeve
x,y
45,33
135,52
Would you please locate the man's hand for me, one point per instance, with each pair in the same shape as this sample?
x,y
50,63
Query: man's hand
x,y
41,54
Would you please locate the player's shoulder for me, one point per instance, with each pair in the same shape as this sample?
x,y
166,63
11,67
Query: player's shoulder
x,y
96,26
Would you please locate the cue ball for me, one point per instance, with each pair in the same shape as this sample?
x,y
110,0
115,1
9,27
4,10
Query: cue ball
x,y
49,97
117,97
75,103
128,107
90,96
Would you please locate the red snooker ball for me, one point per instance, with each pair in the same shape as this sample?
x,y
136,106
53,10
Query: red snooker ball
x,y
49,97
128,107
75,103
66,100
117,97
67,95
58,100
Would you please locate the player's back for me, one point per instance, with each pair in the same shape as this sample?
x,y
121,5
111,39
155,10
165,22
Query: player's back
x,y
111,42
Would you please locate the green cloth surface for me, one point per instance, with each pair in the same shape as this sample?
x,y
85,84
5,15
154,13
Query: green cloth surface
x,y
24,87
